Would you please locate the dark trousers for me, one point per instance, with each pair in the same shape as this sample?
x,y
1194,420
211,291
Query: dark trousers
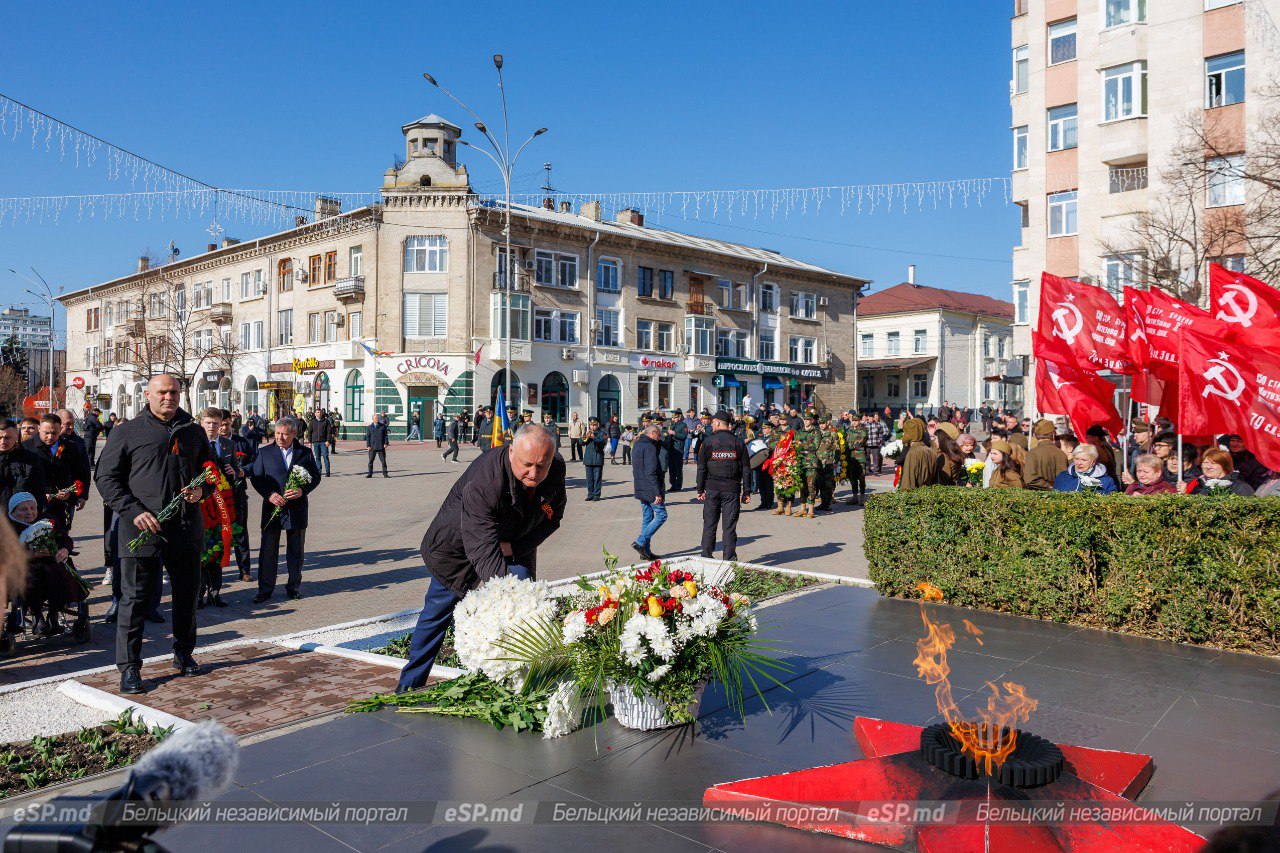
x,y
269,558
595,480
765,481
626,454
721,507
93,452
381,454
139,581
452,450
428,634
240,540
575,447
675,466
875,462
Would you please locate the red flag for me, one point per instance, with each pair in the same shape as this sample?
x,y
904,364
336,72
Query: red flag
x,y
1084,397
1081,326
1228,387
1162,320
1249,306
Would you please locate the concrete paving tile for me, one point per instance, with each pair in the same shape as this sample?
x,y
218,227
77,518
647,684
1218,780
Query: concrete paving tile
x,y
1230,720
1119,698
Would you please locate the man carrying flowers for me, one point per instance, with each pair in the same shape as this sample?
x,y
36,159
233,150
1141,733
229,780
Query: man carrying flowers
x,y
491,523
284,473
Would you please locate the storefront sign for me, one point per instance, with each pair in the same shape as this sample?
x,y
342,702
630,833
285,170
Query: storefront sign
x,y
304,365
650,361
213,377
275,385
78,382
430,363
773,368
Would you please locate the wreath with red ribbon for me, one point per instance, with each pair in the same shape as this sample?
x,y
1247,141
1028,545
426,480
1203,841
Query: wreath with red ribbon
x,y
218,511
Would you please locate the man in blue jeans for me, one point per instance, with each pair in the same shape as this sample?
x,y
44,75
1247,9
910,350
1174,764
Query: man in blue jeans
x,y
500,510
646,477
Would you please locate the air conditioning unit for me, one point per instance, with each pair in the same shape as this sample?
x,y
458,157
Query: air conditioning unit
x,y
595,325
528,265
568,354
822,302
340,320
1085,279
581,377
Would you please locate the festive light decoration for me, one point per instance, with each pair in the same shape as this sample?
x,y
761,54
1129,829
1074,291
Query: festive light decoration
x,y
255,207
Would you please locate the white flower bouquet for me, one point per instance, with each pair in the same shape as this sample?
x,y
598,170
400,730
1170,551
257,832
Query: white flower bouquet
x,y
892,449
1218,486
1089,483
297,478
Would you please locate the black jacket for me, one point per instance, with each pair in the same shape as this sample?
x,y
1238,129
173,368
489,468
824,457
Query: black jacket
x,y
21,471
269,476
79,465
375,436
593,447
679,432
646,470
486,507
319,430
723,464
143,466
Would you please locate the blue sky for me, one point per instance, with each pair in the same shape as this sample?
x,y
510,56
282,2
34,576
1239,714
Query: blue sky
x,y
659,96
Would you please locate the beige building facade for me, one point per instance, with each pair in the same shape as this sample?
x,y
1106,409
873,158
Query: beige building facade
x,y
401,307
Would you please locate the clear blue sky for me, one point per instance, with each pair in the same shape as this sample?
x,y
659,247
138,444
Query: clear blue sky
x,y
659,96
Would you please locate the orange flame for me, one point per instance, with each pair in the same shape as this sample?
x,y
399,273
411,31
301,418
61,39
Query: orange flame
x,y
973,630
993,737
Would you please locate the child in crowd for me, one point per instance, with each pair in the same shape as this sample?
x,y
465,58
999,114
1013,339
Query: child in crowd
x,y
628,436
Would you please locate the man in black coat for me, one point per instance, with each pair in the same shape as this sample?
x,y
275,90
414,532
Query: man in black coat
x,y
319,430
648,486
244,453
593,457
60,462
723,466
80,465
149,460
269,475
20,469
376,440
675,450
93,428
491,523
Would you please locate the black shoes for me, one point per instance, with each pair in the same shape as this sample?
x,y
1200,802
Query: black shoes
x,y
110,616
131,680
385,474
215,598
643,551
155,616
185,664
261,597
367,476
293,594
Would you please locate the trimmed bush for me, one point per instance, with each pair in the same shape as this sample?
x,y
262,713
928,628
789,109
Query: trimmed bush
x,y
1192,569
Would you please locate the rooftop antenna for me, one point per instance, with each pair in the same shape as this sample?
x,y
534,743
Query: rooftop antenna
x,y
546,187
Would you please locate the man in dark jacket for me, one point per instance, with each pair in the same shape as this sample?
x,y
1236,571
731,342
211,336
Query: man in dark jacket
x,y
20,469
453,432
318,433
149,460
376,439
93,429
679,433
59,461
723,466
245,452
270,475
81,468
646,478
491,523
1247,465
593,457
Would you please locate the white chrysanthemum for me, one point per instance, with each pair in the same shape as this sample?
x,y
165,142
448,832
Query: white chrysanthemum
x,y
1217,484
487,614
299,474
701,618
36,529
564,711
645,635
575,626
658,673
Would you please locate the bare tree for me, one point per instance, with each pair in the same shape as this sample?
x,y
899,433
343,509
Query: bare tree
x,y
13,390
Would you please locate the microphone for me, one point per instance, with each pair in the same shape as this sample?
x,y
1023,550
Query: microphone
x,y
193,764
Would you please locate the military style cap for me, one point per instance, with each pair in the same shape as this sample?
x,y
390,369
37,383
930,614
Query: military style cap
x,y
593,419
810,415
824,418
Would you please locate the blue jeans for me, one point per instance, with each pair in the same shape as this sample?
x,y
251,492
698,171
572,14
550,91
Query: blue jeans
x,y
321,451
652,516
428,634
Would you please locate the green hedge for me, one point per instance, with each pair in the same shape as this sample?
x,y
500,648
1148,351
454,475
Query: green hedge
x,y
1193,569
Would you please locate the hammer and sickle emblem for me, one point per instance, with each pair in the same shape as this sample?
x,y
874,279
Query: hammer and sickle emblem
x,y
1224,380
1062,328
1236,314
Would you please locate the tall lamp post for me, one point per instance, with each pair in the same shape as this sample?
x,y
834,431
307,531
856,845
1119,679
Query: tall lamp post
x,y
49,298
506,163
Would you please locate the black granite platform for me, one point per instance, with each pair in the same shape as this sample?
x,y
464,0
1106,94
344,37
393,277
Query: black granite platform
x,y
1193,709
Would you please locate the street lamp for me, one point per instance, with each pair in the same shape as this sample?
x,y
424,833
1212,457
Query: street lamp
x,y
49,298
506,163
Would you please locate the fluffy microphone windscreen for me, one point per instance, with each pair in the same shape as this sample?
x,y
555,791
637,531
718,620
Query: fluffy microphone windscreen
x,y
193,763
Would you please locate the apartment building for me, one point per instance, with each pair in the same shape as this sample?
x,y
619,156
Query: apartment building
x,y
1101,92
918,346
402,306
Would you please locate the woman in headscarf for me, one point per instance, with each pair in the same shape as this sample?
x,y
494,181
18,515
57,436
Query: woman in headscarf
x,y
919,466
48,581
1006,473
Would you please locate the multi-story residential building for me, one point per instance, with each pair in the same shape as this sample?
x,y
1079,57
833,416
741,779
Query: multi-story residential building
x,y
402,306
1102,94
919,346
32,330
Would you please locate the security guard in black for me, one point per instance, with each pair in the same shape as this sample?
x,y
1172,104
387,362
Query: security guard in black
x,y
723,484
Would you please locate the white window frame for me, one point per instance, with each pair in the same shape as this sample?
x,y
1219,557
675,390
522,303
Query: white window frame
x,y
893,343
608,327
804,305
1136,11
1061,126
769,298
246,339
1224,183
315,327
1114,80
919,341
355,325
614,268
521,314
867,345
803,350
226,290
1062,30
1235,263
700,335
571,319
1022,302
664,337
644,335
284,327
1119,271
355,261
1021,69
331,326
426,253
767,346
413,304
259,329
544,317
1221,74
259,283
567,271
1067,204
544,268
1021,147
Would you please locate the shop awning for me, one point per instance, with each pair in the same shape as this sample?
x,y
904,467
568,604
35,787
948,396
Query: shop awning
x,y
727,380
895,363
772,382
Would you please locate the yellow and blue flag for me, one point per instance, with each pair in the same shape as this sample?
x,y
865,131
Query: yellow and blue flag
x,y
501,423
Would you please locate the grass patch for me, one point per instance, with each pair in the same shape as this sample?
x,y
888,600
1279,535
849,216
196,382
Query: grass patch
x,y
44,761
399,648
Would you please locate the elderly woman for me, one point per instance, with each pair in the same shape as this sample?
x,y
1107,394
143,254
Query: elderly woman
x,y
1085,474
1218,476
1003,467
1148,475
969,447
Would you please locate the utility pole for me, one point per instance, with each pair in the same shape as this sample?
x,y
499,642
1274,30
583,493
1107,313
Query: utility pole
x,y
49,299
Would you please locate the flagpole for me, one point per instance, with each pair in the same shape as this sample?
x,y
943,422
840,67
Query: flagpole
x,y
1128,420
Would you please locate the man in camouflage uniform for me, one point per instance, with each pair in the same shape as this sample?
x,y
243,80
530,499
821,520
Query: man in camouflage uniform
x,y
808,443
828,456
855,440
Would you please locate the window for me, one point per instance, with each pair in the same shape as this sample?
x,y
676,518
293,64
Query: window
x,y
1235,263
664,392
664,336
1119,271
257,334
769,297
567,270
700,335
644,393
868,346
245,339
1062,41
519,315
1020,62
1062,214
868,385
1024,214
355,261
986,346
644,334
804,350
315,267
284,322
1001,344
330,266
607,331
919,385
1209,5
1062,127
426,315
314,330
893,343
1226,181
919,341
644,281
543,324
666,284
768,345
1022,302
1020,147
108,314
259,284
544,268
893,385
731,344
567,321
330,326
1123,179
426,253
1224,80
804,306
284,274
607,276
726,293
1124,91
226,290
355,325
226,341
1117,13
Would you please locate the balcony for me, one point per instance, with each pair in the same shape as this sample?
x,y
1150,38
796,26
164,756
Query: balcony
x,y
350,289
701,307
520,280
220,314
135,327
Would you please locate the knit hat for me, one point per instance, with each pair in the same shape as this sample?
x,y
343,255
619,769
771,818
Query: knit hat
x,y
1044,428
1003,446
18,499
952,431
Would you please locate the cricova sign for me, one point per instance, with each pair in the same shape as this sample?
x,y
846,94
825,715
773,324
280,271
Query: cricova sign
x,y
430,363
649,361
